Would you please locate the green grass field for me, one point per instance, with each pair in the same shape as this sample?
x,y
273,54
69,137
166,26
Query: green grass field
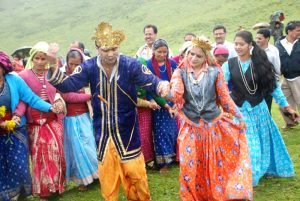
x,y
165,187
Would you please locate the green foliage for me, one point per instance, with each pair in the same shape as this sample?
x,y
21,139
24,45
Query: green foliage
x,y
25,22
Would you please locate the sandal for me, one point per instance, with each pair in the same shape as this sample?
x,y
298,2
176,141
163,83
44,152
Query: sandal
x,y
289,126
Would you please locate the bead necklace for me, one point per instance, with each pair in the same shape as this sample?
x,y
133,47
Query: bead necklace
x,y
38,77
162,70
197,82
250,91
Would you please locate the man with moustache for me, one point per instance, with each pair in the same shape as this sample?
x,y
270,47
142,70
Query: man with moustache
x,y
219,33
289,51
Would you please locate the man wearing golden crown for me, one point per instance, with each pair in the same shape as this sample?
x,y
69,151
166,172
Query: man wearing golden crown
x,y
113,78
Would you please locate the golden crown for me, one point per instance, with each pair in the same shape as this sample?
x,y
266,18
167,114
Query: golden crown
x,y
202,42
105,37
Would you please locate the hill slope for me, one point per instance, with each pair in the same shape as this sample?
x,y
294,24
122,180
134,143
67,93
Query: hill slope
x,y
24,22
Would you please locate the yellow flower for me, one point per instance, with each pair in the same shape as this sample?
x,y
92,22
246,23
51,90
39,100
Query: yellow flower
x,y
10,125
2,111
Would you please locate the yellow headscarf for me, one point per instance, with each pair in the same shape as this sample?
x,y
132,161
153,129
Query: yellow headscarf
x,y
39,47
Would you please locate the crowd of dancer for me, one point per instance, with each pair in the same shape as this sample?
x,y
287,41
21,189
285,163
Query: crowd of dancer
x,y
108,117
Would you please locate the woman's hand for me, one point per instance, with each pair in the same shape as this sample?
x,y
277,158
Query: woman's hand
x,y
153,105
58,107
172,111
2,124
16,119
243,125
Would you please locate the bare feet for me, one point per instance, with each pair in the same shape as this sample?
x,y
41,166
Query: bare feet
x,y
82,188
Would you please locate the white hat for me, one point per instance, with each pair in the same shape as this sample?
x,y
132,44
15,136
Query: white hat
x,y
185,46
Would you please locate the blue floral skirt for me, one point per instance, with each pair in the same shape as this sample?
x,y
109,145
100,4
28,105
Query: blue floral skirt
x,y
15,176
268,152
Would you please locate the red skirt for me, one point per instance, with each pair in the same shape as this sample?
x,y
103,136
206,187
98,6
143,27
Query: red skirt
x,y
145,124
47,155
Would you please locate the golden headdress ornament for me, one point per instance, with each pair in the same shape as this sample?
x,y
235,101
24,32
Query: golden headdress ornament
x,y
202,42
105,37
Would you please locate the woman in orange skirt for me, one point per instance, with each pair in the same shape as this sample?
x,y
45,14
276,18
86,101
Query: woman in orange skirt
x,y
214,159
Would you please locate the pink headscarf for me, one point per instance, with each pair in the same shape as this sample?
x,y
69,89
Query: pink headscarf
x,y
5,62
221,49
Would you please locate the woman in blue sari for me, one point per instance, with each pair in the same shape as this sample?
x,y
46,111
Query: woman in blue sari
x,y
79,140
165,129
15,179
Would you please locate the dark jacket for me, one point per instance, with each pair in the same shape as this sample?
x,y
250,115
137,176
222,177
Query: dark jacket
x,y
290,64
117,119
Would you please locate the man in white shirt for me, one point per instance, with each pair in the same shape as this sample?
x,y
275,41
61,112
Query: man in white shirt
x,y
262,39
219,33
289,51
150,34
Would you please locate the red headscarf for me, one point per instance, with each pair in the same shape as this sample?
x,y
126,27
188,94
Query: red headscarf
x,y
5,62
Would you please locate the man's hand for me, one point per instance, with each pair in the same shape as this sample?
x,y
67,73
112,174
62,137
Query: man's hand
x,y
291,114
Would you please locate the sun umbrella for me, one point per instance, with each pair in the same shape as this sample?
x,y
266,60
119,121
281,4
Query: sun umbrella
x,y
261,25
22,52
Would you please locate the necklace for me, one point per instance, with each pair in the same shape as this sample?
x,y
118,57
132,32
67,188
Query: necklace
x,y
41,78
197,82
162,70
250,91
3,89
